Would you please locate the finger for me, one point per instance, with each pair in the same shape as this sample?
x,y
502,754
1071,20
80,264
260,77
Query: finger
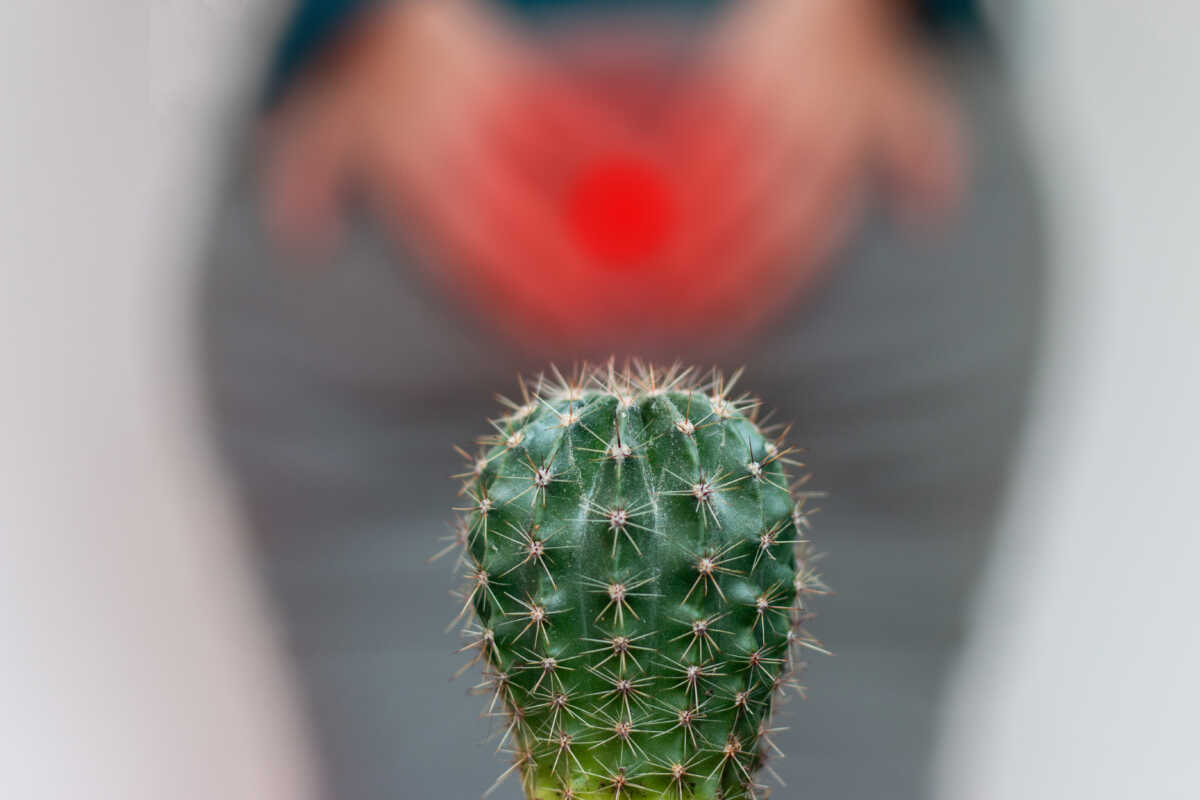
x,y
921,149
306,151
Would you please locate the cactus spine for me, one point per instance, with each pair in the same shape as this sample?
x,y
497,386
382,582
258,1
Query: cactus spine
x,y
637,576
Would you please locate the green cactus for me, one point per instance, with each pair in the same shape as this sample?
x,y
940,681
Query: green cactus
x,y
637,576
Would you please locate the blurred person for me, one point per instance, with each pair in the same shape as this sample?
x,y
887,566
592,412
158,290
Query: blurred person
x,y
883,294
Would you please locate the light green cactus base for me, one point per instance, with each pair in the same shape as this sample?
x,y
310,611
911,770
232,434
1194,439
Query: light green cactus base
x,y
637,571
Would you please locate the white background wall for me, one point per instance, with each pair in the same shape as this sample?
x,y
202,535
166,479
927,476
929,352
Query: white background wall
x,y
134,659
1082,682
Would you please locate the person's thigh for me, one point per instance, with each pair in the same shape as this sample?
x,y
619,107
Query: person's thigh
x,y
337,392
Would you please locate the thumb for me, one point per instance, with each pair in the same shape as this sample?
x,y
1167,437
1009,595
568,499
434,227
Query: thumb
x,y
305,153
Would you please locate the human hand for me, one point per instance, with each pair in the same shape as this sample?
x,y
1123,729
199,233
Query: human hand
x,y
414,109
798,99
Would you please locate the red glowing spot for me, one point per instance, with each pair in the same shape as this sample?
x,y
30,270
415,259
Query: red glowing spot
x,y
621,211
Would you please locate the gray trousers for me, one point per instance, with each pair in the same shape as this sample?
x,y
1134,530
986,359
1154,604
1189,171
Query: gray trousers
x,y
336,394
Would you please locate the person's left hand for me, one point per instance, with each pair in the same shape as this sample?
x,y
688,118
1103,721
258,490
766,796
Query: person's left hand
x,y
797,100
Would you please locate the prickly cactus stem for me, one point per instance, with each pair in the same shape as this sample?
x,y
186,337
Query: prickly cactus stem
x,y
637,573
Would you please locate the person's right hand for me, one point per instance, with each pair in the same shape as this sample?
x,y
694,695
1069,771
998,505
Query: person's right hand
x,y
796,106
413,108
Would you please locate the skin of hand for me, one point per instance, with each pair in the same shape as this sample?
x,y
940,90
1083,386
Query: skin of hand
x,y
409,110
796,103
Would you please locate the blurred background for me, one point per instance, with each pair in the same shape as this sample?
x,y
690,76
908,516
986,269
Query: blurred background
x,y
139,655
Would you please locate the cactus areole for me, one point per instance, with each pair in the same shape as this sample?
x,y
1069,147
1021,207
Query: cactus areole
x,y
637,574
